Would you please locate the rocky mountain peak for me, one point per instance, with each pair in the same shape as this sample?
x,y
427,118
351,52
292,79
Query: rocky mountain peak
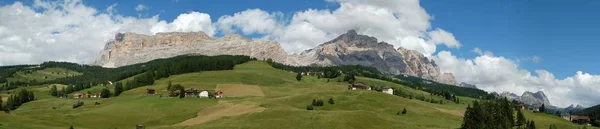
x,y
350,48
464,84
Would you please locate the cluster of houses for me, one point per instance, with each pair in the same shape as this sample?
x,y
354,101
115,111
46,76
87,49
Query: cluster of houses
x,y
582,120
86,95
189,93
361,86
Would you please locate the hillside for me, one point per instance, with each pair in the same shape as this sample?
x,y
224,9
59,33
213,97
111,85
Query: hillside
x,y
260,97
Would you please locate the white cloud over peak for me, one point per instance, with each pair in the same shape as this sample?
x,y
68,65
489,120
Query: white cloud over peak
x,y
141,7
71,31
400,23
496,73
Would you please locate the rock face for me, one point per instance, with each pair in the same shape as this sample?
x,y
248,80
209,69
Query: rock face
x,y
130,48
463,84
529,98
347,49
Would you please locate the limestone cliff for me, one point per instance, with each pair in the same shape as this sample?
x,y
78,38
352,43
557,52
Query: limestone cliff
x,y
347,49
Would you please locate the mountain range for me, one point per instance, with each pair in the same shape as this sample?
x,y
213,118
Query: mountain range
x,y
347,49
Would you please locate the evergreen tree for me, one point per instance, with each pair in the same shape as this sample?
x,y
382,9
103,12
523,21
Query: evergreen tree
x,y
118,88
543,108
520,118
71,127
1,107
531,125
181,93
54,91
331,101
310,107
169,86
299,77
69,89
105,93
404,111
314,102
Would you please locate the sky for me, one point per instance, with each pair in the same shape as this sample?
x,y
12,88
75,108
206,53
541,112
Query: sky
x,y
498,45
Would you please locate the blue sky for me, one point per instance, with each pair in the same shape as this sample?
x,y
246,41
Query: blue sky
x,y
562,34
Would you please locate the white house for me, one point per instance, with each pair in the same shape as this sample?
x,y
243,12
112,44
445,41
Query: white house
x,y
203,94
388,90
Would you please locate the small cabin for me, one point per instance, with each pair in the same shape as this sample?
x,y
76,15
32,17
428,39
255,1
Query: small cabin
x,y
174,93
190,92
203,94
582,120
150,91
359,86
388,90
76,95
219,94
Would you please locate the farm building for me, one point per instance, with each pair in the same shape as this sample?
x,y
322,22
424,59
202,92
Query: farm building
x,y
522,106
76,95
203,94
388,90
219,94
190,92
174,93
359,86
580,119
150,91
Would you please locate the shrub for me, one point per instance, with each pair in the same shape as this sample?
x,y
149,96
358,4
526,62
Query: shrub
x,y
331,101
78,104
404,111
310,107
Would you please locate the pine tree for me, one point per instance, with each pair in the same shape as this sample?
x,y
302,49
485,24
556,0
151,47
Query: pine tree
x,y
181,93
169,86
105,93
520,118
314,102
1,107
299,77
404,111
69,90
543,108
53,91
118,89
531,125
71,127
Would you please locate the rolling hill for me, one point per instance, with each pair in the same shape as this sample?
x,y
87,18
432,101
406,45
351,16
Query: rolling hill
x,y
260,97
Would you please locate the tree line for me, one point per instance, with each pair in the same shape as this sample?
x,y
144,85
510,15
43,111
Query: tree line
x,y
494,114
370,72
16,100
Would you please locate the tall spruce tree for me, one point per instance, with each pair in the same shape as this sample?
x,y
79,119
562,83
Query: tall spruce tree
x,y
54,91
520,118
299,77
543,108
105,93
118,88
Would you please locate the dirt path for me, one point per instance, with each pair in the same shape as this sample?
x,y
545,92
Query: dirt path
x,y
220,110
453,112
240,90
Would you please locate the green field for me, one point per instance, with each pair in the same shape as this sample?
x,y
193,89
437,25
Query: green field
x,y
282,106
42,75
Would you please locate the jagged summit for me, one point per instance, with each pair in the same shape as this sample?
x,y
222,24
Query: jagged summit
x,y
350,48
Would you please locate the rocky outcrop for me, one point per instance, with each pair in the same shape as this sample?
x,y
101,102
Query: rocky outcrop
x,y
347,49
463,84
130,48
529,98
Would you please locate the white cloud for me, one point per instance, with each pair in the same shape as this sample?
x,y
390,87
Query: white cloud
x,y
401,23
251,21
71,31
496,73
141,7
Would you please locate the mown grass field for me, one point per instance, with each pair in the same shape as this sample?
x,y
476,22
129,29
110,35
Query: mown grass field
x,y
42,75
282,105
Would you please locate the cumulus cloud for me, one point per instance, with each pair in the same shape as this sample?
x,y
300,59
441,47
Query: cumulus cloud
x,y
497,73
141,7
401,23
71,31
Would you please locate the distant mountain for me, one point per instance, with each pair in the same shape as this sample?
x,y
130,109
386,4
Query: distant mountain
x,y
347,49
463,84
573,109
529,98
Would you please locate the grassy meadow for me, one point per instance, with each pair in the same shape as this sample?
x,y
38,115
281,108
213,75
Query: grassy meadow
x,y
275,100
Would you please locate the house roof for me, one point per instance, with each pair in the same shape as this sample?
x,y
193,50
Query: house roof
x,y
580,118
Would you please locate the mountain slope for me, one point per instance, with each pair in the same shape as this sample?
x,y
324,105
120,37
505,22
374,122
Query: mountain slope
x,y
347,49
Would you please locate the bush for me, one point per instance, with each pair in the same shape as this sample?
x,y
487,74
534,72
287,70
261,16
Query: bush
x,y
310,107
331,101
78,104
404,111
298,77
